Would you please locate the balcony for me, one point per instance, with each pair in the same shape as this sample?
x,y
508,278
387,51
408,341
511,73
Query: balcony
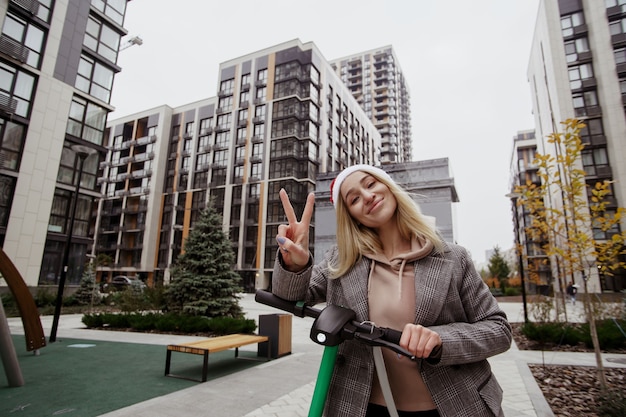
x,y
13,49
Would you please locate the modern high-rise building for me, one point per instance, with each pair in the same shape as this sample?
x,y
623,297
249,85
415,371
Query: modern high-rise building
x,y
281,117
376,81
57,64
577,69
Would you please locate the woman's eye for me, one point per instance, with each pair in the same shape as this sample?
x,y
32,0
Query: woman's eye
x,y
370,185
354,200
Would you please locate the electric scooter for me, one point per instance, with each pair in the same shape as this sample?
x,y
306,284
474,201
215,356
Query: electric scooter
x,y
332,326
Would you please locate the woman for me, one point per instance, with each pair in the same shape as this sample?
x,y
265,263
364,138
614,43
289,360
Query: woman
x,y
392,268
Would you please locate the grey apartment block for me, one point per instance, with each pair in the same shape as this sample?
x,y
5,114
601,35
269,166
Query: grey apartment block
x,y
376,81
577,69
430,182
58,60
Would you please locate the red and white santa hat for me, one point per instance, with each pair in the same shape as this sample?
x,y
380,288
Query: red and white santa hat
x,y
335,185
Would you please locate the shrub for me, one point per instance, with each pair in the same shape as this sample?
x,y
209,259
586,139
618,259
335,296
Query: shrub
x,y
170,322
552,332
512,291
609,334
612,404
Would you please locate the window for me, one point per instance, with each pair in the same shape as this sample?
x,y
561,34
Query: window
x,y
114,9
102,39
202,161
222,139
262,75
220,158
67,174
94,78
255,171
579,73
26,39
245,81
575,47
240,154
225,103
243,115
223,121
254,191
244,98
11,142
86,120
16,90
200,179
238,173
7,184
583,102
620,55
259,111
205,124
59,213
618,27
261,93
570,22
593,159
259,132
227,86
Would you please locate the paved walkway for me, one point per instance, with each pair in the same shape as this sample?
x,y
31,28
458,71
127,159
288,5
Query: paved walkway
x,y
284,387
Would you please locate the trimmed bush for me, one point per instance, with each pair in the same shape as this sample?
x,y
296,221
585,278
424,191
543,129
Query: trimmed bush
x,y
170,323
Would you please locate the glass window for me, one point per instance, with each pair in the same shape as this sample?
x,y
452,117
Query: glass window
x,y
618,27
579,73
102,39
227,86
28,39
114,9
16,90
11,142
570,22
95,79
86,121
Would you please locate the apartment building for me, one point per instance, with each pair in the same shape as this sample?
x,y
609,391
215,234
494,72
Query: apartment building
x,y
536,265
281,117
57,64
376,81
577,69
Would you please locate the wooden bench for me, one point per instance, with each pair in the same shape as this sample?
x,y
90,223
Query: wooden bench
x,y
214,344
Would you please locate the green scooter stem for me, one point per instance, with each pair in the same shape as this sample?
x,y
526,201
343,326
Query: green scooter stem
x,y
323,381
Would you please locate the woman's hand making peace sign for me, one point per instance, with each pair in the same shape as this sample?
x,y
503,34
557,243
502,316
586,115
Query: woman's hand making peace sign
x,y
293,238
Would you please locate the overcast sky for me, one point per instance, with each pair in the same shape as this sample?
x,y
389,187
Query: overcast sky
x,y
465,62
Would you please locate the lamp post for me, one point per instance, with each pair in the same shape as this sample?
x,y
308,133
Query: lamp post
x,y
81,153
514,197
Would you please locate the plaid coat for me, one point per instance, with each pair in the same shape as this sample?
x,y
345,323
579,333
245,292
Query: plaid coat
x,y
451,299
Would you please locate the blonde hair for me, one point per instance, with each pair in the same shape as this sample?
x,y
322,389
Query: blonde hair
x,y
354,239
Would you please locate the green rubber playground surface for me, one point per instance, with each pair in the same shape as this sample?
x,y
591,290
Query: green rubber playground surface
x,y
89,378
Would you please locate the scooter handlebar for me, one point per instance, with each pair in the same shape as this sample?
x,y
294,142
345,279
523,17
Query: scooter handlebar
x,y
366,332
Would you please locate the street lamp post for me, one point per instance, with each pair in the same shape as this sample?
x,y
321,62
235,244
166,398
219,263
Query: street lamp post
x,y
81,152
514,197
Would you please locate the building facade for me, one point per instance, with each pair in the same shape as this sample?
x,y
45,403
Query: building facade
x,y
535,264
281,117
376,81
57,64
577,69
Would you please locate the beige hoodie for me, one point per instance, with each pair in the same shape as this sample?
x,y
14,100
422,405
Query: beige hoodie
x,y
391,298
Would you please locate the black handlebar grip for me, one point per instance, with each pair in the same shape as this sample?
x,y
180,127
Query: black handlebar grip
x,y
267,298
392,335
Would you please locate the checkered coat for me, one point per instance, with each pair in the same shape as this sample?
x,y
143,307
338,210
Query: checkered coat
x,y
451,299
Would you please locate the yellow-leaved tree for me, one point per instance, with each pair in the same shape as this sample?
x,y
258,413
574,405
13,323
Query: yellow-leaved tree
x,y
580,229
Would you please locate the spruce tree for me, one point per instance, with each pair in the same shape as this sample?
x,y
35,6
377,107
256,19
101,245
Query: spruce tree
x,y
498,268
203,282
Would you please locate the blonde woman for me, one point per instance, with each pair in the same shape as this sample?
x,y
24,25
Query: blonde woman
x,y
392,268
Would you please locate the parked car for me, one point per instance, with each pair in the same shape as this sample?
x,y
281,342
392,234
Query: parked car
x,y
121,282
